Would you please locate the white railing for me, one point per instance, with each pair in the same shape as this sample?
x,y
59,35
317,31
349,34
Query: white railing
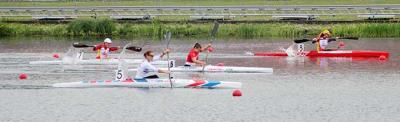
x,y
201,11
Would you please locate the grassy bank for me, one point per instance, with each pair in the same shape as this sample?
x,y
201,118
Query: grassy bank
x,y
104,27
195,2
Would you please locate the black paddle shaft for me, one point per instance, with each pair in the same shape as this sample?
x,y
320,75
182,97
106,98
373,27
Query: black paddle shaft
x,y
80,45
134,48
332,39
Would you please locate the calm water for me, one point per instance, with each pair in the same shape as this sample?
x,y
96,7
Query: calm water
x,y
300,89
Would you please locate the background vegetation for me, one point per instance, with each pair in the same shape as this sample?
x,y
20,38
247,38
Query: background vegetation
x,y
106,27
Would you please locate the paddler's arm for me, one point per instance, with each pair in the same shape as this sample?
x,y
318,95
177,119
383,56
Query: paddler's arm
x,y
96,47
163,71
158,57
113,48
205,48
317,39
152,68
194,59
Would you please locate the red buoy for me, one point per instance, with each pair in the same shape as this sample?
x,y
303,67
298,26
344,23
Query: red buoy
x,y
237,93
55,55
341,44
220,64
382,57
210,49
23,76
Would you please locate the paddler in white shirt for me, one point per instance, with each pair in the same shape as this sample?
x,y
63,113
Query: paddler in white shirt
x,y
322,40
146,70
103,49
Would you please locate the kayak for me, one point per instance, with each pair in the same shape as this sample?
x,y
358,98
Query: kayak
x,y
211,68
151,83
95,62
122,81
73,57
337,53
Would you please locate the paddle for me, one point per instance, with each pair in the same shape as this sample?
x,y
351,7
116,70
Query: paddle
x,y
213,33
134,48
80,45
333,39
301,40
168,39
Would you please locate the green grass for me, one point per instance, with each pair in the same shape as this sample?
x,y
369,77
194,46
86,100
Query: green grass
x,y
156,30
91,27
198,2
187,18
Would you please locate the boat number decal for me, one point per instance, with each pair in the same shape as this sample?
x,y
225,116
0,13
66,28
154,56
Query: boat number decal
x,y
119,74
80,55
300,47
171,63
300,50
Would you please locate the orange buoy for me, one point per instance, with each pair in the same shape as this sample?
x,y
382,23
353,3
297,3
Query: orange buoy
x,y
55,55
382,57
23,76
237,93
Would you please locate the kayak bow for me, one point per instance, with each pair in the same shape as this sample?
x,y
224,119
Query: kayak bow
x,y
219,69
94,62
151,83
337,53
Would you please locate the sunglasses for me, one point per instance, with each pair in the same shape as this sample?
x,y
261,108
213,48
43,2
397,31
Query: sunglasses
x,y
151,55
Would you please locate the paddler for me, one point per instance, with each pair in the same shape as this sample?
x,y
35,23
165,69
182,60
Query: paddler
x,y
146,70
322,40
103,49
192,58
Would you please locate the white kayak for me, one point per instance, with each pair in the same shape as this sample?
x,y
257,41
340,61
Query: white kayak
x,y
95,62
75,57
151,83
210,68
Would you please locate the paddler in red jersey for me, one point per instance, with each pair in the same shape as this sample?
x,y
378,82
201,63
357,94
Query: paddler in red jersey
x,y
322,40
103,49
192,58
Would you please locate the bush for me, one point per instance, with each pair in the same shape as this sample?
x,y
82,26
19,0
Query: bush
x,y
6,30
104,27
81,27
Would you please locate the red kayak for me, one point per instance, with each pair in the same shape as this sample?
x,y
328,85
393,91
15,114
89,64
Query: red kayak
x,y
337,53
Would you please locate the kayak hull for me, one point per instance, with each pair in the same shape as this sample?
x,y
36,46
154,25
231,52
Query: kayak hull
x,y
94,62
337,53
216,69
151,83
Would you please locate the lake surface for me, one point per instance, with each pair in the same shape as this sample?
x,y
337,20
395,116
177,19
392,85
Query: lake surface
x,y
300,89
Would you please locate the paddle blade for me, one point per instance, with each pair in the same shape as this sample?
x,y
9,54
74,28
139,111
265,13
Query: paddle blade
x,y
301,40
168,38
80,45
134,48
215,29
